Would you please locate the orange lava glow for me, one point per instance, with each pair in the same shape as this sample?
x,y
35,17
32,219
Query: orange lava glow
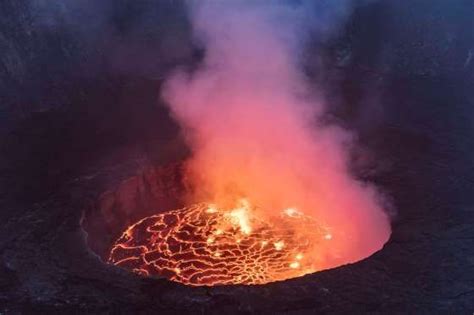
x,y
207,245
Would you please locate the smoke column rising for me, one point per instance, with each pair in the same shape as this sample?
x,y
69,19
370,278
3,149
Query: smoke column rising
x,y
253,124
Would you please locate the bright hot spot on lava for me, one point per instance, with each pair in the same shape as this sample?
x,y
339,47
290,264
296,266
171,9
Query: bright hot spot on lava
x,y
206,245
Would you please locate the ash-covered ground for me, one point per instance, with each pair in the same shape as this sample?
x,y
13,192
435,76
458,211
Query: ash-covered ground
x,y
81,125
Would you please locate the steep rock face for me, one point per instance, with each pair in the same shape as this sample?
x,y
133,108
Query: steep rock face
x,y
152,190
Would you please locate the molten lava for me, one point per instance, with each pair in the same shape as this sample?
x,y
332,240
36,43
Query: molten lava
x,y
206,245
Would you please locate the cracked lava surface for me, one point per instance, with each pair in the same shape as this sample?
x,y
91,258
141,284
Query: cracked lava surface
x,y
206,245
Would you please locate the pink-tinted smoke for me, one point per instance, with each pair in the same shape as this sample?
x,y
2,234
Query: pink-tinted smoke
x,y
251,120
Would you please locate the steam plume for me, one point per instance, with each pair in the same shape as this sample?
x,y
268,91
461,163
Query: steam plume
x,y
253,123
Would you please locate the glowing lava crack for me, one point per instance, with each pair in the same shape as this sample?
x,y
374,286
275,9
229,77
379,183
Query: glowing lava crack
x,y
204,245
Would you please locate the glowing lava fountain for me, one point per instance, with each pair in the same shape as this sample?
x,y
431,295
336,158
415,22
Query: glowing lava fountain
x,y
206,245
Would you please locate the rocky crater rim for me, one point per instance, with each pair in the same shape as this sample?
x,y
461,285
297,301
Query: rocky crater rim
x,y
152,190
